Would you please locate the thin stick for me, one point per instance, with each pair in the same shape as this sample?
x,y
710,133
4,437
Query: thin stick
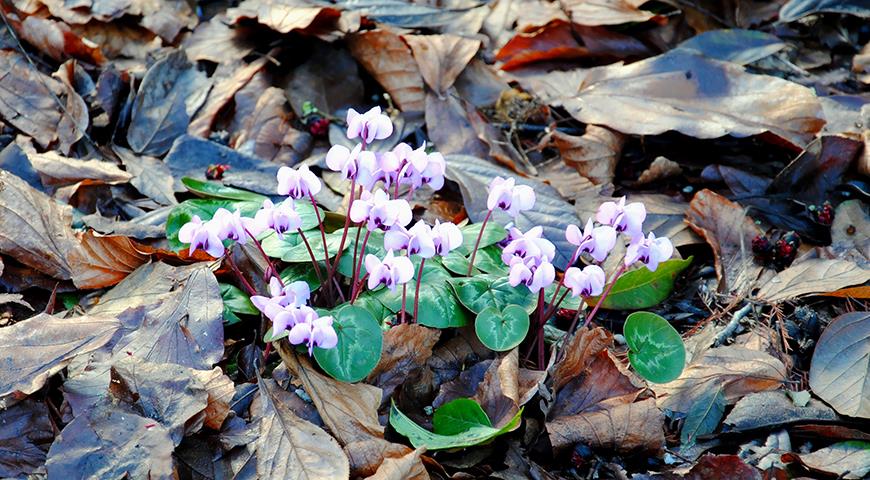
x,y
417,290
541,321
357,292
477,243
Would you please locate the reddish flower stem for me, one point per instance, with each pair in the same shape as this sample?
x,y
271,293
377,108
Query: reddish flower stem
x,y
271,265
359,265
417,290
311,254
477,243
244,281
346,226
357,292
404,297
322,237
541,321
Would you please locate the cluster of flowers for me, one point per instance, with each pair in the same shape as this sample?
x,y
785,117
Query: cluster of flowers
x,y
529,255
287,308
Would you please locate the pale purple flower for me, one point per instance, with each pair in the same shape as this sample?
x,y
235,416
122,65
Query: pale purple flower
x,y
379,212
529,245
370,126
505,195
650,251
433,173
596,241
233,225
297,183
392,271
446,237
201,236
341,159
588,282
294,294
624,218
533,272
281,218
314,331
513,233
417,240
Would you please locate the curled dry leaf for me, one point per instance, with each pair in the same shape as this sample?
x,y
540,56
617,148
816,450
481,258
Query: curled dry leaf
x,y
688,93
217,42
725,226
660,169
290,447
102,261
850,460
552,41
594,154
228,80
58,41
771,409
286,17
606,12
56,170
839,372
811,276
739,371
406,467
24,439
28,98
406,350
220,390
40,346
505,388
441,58
387,58
627,428
268,133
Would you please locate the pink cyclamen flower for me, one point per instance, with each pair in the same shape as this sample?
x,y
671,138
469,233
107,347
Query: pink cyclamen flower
x,y
624,218
417,240
505,195
370,126
379,212
201,236
650,251
587,282
281,218
433,173
341,159
234,226
294,294
596,241
446,237
297,183
531,244
392,271
533,272
314,331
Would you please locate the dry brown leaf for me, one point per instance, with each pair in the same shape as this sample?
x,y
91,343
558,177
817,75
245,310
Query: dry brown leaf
x,y
57,170
286,17
40,346
725,226
57,40
217,42
606,12
227,81
26,435
441,58
739,371
579,354
102,261
811,276
220,389
406,467
660,169
628,428
665,216
269,134
28,98
594,154
691,94
498,392
406,350
119,39
839,372
450,129
601,385
387,58
850,239
553,41
366,456
305,83
290,447
850,460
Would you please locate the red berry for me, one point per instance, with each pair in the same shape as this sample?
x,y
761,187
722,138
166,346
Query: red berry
x,y
216,172
319,127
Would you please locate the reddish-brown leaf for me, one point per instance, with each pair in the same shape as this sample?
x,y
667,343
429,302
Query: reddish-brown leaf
x,y
269,134
387,58
441,58
626,428
594,154
553,41
406,350
58,41
102,261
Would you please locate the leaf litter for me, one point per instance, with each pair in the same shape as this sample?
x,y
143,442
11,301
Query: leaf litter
x,y
743,129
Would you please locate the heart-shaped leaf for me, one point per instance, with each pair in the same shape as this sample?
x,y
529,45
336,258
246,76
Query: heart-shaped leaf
x,y
656,350
502,330
459,416
642,288
438,308
292,248
374,246
483,291
206,189
236,301
359,345
493,234
474,435
302,272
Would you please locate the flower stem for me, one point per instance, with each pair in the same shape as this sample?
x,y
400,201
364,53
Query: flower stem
x,y
562,281
600,301
477,243
244,281
357,292
269,262
346,226
322,237
404,297
359,266
541,321
417,290
311,254
353,260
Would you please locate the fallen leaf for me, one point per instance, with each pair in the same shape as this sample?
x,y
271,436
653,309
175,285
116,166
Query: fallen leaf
x,y
631,427
25,436
552,41
660,169
839,371
845,460
220,390
849,240
406,350
305,82
740,371
812,176
594,154
56,170
452,130
228,79
387,58
170,93
29,98
102,261
290,447
688,93
772,409
286,17
505,388
151,176
408,467
606,12
191,156
441,58
119,39
217,42
269,134
812,276
58,41
725,226
735,45
797,9
722,467
140,447
41,346
366,456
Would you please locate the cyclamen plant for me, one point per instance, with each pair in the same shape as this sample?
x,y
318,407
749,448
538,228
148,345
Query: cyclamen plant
x,y
381,266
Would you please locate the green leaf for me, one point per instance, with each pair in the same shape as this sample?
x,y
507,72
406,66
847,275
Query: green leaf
x,y
302,272
489,260
502,330
204,208
218,190
359,345
236,301
493,234
374,306
482,291
704,416
656,350
641,288
293,250
459,416
420,437
438,308
569,302
455,262
375,246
